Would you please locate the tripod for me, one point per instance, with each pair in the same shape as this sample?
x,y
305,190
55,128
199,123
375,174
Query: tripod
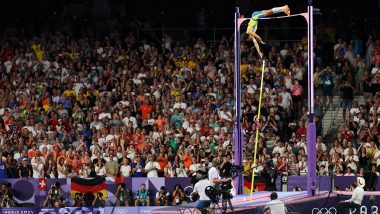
x,y
225,193
226,201
331,187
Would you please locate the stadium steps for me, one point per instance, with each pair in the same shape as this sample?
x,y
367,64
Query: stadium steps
x,y
333,118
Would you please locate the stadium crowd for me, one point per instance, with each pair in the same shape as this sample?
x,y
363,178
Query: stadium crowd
x,y
104,104
355,150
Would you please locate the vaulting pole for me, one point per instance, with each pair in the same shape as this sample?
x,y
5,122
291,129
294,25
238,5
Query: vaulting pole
x,y
258,127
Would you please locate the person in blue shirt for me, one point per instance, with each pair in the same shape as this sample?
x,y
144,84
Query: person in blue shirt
x,y
138,167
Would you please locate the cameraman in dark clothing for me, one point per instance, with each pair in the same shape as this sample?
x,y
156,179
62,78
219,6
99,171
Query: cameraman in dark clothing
x,y
270,176
225,167
162,197
55,197
122,195
78,202
99,201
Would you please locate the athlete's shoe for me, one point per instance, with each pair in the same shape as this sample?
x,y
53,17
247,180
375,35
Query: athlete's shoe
x,y
287,10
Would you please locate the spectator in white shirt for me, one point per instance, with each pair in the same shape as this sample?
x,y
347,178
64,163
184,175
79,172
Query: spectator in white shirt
x,y
181,170
349,147
125,168
279,148
151,167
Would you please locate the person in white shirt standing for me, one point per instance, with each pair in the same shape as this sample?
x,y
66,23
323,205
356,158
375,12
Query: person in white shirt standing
x,y
151,167
356,200
214,178
213,174
275,206
200,189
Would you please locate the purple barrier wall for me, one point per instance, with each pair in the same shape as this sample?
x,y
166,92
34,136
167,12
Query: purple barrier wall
x,y
41,194
322,182
23,189
27,191
345,181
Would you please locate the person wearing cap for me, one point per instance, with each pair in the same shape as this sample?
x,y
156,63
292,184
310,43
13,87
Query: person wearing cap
x,y
25,170
356,200
200,191
275,206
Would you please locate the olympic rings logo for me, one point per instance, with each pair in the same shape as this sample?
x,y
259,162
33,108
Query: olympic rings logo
x,y
324,210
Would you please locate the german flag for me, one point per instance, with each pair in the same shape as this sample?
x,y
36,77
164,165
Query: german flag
x,y
94,185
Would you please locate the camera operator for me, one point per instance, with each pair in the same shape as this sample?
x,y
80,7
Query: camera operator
x,y
99,201
214,178
270,176
55,197
213,174
226,166
122,195
78,200
203,201
162,197
6,199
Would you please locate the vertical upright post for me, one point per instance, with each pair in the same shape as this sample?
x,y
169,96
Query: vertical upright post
x,y
238,138
311,129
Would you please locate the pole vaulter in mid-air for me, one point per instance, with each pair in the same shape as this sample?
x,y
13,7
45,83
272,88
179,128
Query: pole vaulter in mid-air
x,y
253,22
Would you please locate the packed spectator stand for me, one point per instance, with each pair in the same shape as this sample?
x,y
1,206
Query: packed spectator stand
x,y
105,104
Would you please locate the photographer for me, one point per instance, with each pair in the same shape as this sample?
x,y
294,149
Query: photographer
x,y
122,195
162,197
213,174
6,199
270,176
178,195
99,201
55,197
78,200
214,177
226,166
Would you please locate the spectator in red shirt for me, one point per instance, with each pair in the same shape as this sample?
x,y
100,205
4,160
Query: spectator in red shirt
x,y
301,129
145,109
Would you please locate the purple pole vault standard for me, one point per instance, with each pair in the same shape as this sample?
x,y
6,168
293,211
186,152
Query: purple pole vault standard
x,y
311,129
238,138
